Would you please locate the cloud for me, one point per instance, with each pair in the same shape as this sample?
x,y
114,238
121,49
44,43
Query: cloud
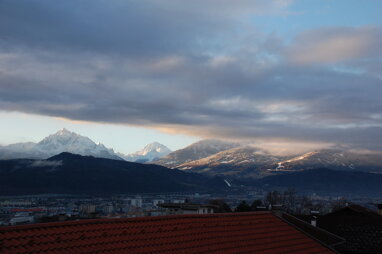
x,y
331,45
133,28
227,7
191,67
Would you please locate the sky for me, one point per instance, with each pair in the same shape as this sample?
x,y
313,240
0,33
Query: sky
x,y
285,74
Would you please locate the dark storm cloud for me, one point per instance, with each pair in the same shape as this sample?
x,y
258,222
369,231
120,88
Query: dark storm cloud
x,y
134,28
191,67
81,25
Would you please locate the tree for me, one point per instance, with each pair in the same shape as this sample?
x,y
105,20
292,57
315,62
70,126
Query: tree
x,y
255,204
243,207
305,205
273,197
221,206
290,199
338,204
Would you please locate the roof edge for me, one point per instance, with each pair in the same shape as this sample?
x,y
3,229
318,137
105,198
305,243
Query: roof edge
x,y
327,245
115,220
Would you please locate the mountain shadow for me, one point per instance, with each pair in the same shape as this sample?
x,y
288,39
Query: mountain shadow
x,y
68,173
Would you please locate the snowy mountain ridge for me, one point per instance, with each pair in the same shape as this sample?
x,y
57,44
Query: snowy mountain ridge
x,y
195,151
248,161
243,160
149,153
61,141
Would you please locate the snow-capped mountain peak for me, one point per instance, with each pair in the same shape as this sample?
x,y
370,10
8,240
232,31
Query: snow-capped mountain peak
x,y
149,153
64,139
61,141
64,132
67,141
155,147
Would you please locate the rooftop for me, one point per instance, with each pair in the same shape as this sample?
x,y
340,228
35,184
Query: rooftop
x,y
361,227
255,232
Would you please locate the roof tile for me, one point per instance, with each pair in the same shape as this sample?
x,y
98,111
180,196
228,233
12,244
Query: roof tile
x,y
259,232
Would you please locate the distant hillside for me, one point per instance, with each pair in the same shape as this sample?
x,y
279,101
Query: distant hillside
x,y
335,159
195,151
245,161
337,182
249,161
74,174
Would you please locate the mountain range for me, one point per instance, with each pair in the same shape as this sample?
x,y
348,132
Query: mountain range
x,y
334,158
68,173
67,141
210,157
249,161
195,151
61,141
75,174
241,161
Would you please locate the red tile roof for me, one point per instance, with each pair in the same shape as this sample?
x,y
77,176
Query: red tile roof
x,y
256,232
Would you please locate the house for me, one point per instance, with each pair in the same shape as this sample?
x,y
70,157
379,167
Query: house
x,y
187,208
359,226
21,220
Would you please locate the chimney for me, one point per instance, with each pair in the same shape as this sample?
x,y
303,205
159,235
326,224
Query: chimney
x,y
277,209
313,221
379,209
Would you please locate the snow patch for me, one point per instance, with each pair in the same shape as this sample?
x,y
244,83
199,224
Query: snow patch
x,y
43,163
